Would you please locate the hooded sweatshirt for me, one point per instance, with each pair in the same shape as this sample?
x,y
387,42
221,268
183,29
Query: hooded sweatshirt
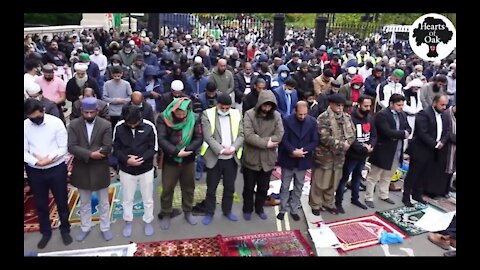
x,y
258,130
279,81
224,82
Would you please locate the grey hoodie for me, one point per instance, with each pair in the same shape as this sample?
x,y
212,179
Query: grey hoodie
x,y
224,82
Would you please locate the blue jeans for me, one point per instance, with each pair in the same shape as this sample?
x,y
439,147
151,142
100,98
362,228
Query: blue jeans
x,y
350,166
101,82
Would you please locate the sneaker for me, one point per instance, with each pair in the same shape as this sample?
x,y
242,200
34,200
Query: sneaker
x,y
262,215
82,235
280,216
190,219
231,216
107,235
165,223
340,209
370,204
207,219
44,241
295,217
247,216
388,200
148,229
67,239
127,229
359,204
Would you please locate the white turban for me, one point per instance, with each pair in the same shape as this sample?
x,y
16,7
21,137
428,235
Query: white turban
x,y
80,67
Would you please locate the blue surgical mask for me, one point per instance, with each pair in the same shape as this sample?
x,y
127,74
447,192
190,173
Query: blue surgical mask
x,y
223,113
283,75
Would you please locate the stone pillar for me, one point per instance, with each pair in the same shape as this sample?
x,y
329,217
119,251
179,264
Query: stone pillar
x,y
279,27
320,30
154,24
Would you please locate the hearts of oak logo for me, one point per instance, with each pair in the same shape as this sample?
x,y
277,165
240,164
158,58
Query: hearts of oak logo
x,y
433,37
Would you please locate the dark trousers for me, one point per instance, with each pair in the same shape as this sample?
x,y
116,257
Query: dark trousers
x,y
228,169
41,181
114,120
252,178
413,184
171,174
354,167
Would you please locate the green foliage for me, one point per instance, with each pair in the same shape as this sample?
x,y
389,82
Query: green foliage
x,y
52,18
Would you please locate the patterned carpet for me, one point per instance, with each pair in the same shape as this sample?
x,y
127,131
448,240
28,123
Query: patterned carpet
x,y
442,203
198,196
361,232
74,205
405,218
199,247
30,218
276,244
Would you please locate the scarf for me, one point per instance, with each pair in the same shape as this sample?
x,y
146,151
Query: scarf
x,y
452,148
186,126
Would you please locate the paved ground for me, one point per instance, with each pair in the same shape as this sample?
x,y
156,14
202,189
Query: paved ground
x,y
180,229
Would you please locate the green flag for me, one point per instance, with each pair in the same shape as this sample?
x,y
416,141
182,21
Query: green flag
x,y
117,20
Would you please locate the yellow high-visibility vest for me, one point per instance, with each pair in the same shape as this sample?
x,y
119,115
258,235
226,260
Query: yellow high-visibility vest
x,y
235,118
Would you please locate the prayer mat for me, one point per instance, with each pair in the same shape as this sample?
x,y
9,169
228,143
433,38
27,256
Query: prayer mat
x,y
198,196
442,203
405,217
277,174
361,232
274,244
199,247
30,217
74,205
138,209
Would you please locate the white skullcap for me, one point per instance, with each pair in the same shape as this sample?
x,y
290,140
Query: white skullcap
x,y
131,42
392,61
80,67
187,36
32,88
414,83
452,66
437,63
363,48
352,70
177,85
198,59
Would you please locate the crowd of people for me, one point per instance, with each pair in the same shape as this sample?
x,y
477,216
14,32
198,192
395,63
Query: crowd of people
x,y
219,104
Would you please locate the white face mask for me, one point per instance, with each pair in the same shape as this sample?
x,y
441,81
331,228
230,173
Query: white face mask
x,y
223,113
96,52
115,64
356,87
147,53
288,91
128,50
283,75
419,74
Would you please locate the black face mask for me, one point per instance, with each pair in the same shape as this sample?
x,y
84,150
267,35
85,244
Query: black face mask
x,y
37,120
364,113
48,79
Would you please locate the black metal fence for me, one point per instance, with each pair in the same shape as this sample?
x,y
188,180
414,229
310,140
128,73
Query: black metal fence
x,y
360,30
207,25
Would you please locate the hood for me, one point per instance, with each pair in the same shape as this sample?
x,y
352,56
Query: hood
x,y
150,71
357,79
262,58
266,96
147,48
167,56
283,68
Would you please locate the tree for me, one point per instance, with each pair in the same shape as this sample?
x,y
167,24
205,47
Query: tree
x,y
52,18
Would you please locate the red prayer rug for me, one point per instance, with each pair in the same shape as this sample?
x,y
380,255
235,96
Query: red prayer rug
x,y
276,244
361,232
199,247
30,217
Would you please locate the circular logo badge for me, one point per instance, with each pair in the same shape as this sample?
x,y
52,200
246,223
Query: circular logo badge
x,y
433,37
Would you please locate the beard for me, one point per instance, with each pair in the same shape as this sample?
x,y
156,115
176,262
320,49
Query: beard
x,y
81,81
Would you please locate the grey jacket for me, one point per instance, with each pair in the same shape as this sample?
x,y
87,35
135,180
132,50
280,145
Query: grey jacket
x,y
224,82
258,130
214,140
427,94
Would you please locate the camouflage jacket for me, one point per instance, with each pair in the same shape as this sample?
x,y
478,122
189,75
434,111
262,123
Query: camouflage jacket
x,y
330,154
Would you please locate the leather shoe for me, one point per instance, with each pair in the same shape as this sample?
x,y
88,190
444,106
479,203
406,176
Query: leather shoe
x,y
281,216
407,203
67,239
295,217
370,204
419,200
